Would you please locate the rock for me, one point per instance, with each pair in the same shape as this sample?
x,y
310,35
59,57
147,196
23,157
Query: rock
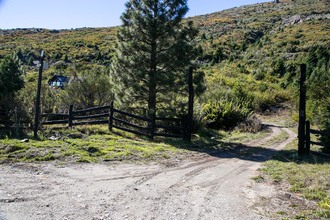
x,y
295,19
53,138
25,140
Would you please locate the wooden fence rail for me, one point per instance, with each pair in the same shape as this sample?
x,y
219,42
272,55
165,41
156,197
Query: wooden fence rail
x,y
310,131
121,120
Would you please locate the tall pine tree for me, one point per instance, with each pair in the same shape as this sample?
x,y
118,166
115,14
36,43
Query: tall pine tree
x,y
154,48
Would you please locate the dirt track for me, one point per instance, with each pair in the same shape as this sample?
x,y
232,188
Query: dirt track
x,y
217,185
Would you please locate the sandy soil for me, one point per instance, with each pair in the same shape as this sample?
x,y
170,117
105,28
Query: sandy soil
x,y
217,185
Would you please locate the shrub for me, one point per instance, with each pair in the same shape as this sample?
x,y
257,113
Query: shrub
x,y
93,88
259,75
251,124
224,114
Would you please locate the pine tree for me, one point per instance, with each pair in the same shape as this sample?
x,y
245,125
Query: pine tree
x,y
154,48
10,75
11,79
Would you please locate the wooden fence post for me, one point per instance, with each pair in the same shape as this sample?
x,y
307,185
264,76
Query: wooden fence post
x,y
308,137
153,125
302,112
37,114
70,116
111,116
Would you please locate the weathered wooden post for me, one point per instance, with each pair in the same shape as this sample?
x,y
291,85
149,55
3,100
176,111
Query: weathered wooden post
x,y
302,112
37,114
190,104
111,116
70,117
153,125
308,137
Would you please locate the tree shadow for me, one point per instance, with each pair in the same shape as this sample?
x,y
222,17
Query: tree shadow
x,y
258,154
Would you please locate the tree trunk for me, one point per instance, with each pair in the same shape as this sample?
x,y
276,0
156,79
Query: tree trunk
x,y
152,95
152,105
152,86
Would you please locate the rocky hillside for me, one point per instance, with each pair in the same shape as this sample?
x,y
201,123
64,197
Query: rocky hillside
x,y
258,34
253,34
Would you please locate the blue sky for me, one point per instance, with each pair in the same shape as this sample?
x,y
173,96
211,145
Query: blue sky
x,y
65,14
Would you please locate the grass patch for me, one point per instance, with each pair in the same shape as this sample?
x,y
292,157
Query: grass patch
x,y
308,177
242,137
90,144
258,179
277,139
86,144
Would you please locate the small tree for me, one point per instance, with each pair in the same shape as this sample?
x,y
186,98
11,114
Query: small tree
x,y
10,79
93,88
154,48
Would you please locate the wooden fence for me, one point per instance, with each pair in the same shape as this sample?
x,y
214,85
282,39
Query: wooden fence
x,y
115,118
310,131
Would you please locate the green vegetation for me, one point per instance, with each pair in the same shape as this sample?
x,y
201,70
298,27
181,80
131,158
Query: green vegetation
x,y
249,55
97,144
318,89
308,177
92,88
10,81
85,144
256,50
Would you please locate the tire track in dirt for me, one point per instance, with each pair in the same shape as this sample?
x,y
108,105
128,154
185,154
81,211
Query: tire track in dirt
x,y
131,196
244,168
275,131
175,176
190,175
187,180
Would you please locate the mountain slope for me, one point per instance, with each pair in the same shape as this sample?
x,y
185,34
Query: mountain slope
x,y
249,54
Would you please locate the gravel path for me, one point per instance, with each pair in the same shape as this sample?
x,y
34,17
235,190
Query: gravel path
x,y
210,186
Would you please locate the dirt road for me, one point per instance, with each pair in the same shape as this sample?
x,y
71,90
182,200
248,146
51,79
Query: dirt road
x,y
216,185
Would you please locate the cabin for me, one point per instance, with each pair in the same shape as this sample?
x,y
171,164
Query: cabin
x,y
58,81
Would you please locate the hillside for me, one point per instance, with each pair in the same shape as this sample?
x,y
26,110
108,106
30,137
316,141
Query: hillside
x,y
285,29
252,34
250,54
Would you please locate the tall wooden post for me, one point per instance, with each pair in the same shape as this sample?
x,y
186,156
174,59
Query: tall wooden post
x,y
302,112
37,114
111,116
70,117
152,125
190,104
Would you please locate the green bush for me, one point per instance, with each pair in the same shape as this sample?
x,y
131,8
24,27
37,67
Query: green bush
x,y
224,114
92,88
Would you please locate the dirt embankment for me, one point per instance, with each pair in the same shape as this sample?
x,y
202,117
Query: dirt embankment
x,y
209,186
